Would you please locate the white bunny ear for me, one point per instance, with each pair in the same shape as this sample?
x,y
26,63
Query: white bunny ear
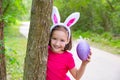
x,y
55,15
72,19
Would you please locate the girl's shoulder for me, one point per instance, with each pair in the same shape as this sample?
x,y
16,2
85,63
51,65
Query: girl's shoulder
x,y
68,53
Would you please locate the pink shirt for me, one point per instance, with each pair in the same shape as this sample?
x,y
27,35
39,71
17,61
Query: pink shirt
x,y
58,65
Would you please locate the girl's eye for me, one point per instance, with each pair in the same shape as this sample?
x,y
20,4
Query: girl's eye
x,y
62,40
54,38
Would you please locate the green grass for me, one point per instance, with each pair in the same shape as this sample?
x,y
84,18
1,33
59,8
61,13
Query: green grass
x,y
104,41
15,45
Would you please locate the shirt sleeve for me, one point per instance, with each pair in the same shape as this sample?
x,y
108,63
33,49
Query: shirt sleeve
x,y
71,62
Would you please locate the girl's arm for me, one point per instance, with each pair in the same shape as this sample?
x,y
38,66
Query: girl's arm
x,y
77,73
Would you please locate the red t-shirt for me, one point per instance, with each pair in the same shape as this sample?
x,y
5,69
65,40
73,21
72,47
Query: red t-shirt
x,y
58,65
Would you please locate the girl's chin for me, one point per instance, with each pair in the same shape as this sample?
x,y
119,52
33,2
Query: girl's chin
x,y
57,51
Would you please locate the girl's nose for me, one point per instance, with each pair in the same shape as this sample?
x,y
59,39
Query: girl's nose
x,y
57,42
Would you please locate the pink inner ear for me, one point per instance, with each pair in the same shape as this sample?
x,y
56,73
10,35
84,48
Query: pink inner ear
x,y
55,19
70,22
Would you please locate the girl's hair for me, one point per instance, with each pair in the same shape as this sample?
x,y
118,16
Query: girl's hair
x,y
61,28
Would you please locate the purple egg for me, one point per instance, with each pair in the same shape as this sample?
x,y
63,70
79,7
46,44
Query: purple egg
x,y
83,49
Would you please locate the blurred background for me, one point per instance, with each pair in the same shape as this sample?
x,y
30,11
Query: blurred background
x,y
99,23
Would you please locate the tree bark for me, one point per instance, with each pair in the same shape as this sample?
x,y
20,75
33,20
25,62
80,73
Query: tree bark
x,y
36,54
2,50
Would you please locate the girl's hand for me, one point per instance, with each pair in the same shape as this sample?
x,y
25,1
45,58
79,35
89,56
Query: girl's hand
x,y
84,62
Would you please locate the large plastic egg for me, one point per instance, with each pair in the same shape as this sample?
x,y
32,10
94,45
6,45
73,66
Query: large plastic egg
x,y
83,49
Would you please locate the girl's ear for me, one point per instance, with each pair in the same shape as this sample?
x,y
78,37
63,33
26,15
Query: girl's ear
x,y
55,15
72,19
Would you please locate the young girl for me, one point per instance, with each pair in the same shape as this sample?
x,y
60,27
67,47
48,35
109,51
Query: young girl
x,y
60,60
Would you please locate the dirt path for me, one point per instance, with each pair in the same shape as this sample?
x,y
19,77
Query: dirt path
x,y
103,66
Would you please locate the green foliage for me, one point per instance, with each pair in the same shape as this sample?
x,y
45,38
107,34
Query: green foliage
x,y
13,10
78,33
116,43
96,15
107,35
27,4
15,47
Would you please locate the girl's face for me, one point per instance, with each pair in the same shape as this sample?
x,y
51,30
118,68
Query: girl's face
x,y
59,39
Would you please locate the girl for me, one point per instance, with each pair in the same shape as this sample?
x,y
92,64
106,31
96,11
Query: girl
x,y
60,60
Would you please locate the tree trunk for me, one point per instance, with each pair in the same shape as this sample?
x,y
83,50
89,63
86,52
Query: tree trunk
x,y
2,50
36,54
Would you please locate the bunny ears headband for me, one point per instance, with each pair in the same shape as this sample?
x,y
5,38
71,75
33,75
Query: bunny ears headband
x,y
70,20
